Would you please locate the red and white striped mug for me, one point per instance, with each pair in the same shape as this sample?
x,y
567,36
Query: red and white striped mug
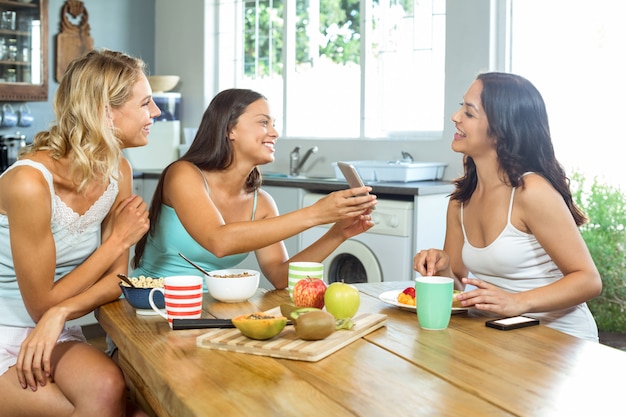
x,y
183,297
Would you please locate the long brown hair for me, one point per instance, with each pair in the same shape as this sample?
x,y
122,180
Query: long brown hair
x,y
211,149
519,121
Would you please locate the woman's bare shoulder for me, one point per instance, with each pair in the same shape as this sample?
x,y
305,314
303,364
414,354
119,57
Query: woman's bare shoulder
x,y
266,203
26,178
23,185
538,194
182,171
534,186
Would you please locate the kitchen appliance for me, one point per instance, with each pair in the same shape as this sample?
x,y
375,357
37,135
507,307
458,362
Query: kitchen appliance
x,y
383,253
164,138
10,146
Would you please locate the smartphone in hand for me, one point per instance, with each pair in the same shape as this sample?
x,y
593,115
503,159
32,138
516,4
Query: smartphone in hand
x,y
352,176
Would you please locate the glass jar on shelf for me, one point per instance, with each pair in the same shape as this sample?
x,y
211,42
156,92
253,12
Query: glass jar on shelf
x,y
12,49
10,75
26,77
3,49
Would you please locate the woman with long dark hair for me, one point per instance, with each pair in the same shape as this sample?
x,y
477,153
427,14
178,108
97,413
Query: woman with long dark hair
x,y
511,220
209,204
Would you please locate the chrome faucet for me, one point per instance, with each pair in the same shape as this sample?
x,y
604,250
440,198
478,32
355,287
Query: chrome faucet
x,y
407,157
295,163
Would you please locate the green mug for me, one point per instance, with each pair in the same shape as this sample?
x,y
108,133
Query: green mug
x,y
433,297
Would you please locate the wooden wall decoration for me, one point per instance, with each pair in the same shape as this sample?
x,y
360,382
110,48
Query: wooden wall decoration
x,y
74,40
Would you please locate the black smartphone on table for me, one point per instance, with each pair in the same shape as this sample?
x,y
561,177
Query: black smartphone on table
x,y
510,323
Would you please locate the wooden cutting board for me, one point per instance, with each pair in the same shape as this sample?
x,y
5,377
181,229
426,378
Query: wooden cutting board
x,y
74,40
286,345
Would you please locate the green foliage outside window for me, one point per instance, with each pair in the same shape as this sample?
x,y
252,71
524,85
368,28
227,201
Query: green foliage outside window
x,y
263,38
341,27
605,236
339,32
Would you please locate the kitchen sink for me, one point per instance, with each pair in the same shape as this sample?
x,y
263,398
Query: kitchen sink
x,y
396,171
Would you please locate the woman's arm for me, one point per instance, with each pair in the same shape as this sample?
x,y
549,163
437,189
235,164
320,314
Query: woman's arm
x,y
28,208
199,215
274,260
540,210
447,262
544,213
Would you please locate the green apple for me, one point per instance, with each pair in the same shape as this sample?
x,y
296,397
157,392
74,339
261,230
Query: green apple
x,y
342,300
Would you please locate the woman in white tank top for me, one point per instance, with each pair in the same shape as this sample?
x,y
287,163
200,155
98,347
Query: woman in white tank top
x,y
511,220
67,221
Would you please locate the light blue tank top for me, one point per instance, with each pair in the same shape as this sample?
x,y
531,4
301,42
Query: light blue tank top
x,y
161,259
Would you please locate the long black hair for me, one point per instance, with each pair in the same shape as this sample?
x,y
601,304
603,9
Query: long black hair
x,y
518,121
211,149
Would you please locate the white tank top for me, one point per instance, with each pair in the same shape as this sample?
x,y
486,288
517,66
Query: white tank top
x,y
515,262
75,238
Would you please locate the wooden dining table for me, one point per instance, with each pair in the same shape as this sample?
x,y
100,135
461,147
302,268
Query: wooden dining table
x,y
398,369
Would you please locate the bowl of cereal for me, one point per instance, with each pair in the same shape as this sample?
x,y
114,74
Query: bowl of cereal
x,y
138,296
232,285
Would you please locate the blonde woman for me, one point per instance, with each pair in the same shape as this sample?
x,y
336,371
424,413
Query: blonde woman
x,y
67,221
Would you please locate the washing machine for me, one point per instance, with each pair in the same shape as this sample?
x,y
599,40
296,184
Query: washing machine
x,y
383,253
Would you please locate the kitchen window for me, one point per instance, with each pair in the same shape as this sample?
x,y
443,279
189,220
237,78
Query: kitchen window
x,y
343,68
576,65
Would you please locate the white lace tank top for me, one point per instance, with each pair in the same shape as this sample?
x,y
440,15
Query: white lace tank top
x,y
76,237
515,262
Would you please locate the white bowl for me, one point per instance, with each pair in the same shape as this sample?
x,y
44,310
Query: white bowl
x,y
162,83
229,286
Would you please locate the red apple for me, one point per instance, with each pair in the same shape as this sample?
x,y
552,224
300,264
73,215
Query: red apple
x,y
309,292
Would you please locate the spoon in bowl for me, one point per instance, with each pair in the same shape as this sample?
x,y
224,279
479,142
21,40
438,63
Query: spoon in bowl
x,y
193,264
124,278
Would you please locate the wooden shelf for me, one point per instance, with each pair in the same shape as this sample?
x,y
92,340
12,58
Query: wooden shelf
x,y
19,4
26,70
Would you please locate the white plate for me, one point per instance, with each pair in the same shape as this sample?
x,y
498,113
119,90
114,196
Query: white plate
x,y
391,297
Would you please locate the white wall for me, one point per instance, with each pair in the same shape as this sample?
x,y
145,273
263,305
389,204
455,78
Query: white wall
x,y
180,44
188,48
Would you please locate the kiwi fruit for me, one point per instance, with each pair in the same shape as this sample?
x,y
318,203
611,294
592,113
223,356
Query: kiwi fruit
x,y
314,325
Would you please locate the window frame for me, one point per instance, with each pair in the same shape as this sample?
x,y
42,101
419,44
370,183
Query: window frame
x,y
230,55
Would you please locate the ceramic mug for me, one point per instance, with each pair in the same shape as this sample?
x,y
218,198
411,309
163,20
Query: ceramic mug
x,y
433,296
24,116
299,270
9,117
183,297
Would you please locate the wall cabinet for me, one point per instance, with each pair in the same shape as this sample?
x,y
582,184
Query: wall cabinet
x,y
23,50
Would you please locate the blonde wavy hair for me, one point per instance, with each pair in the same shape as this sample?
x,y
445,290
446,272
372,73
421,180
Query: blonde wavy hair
x,y
92,85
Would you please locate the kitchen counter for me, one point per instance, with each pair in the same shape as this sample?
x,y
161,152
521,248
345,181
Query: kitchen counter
x,y
381,189
327,185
